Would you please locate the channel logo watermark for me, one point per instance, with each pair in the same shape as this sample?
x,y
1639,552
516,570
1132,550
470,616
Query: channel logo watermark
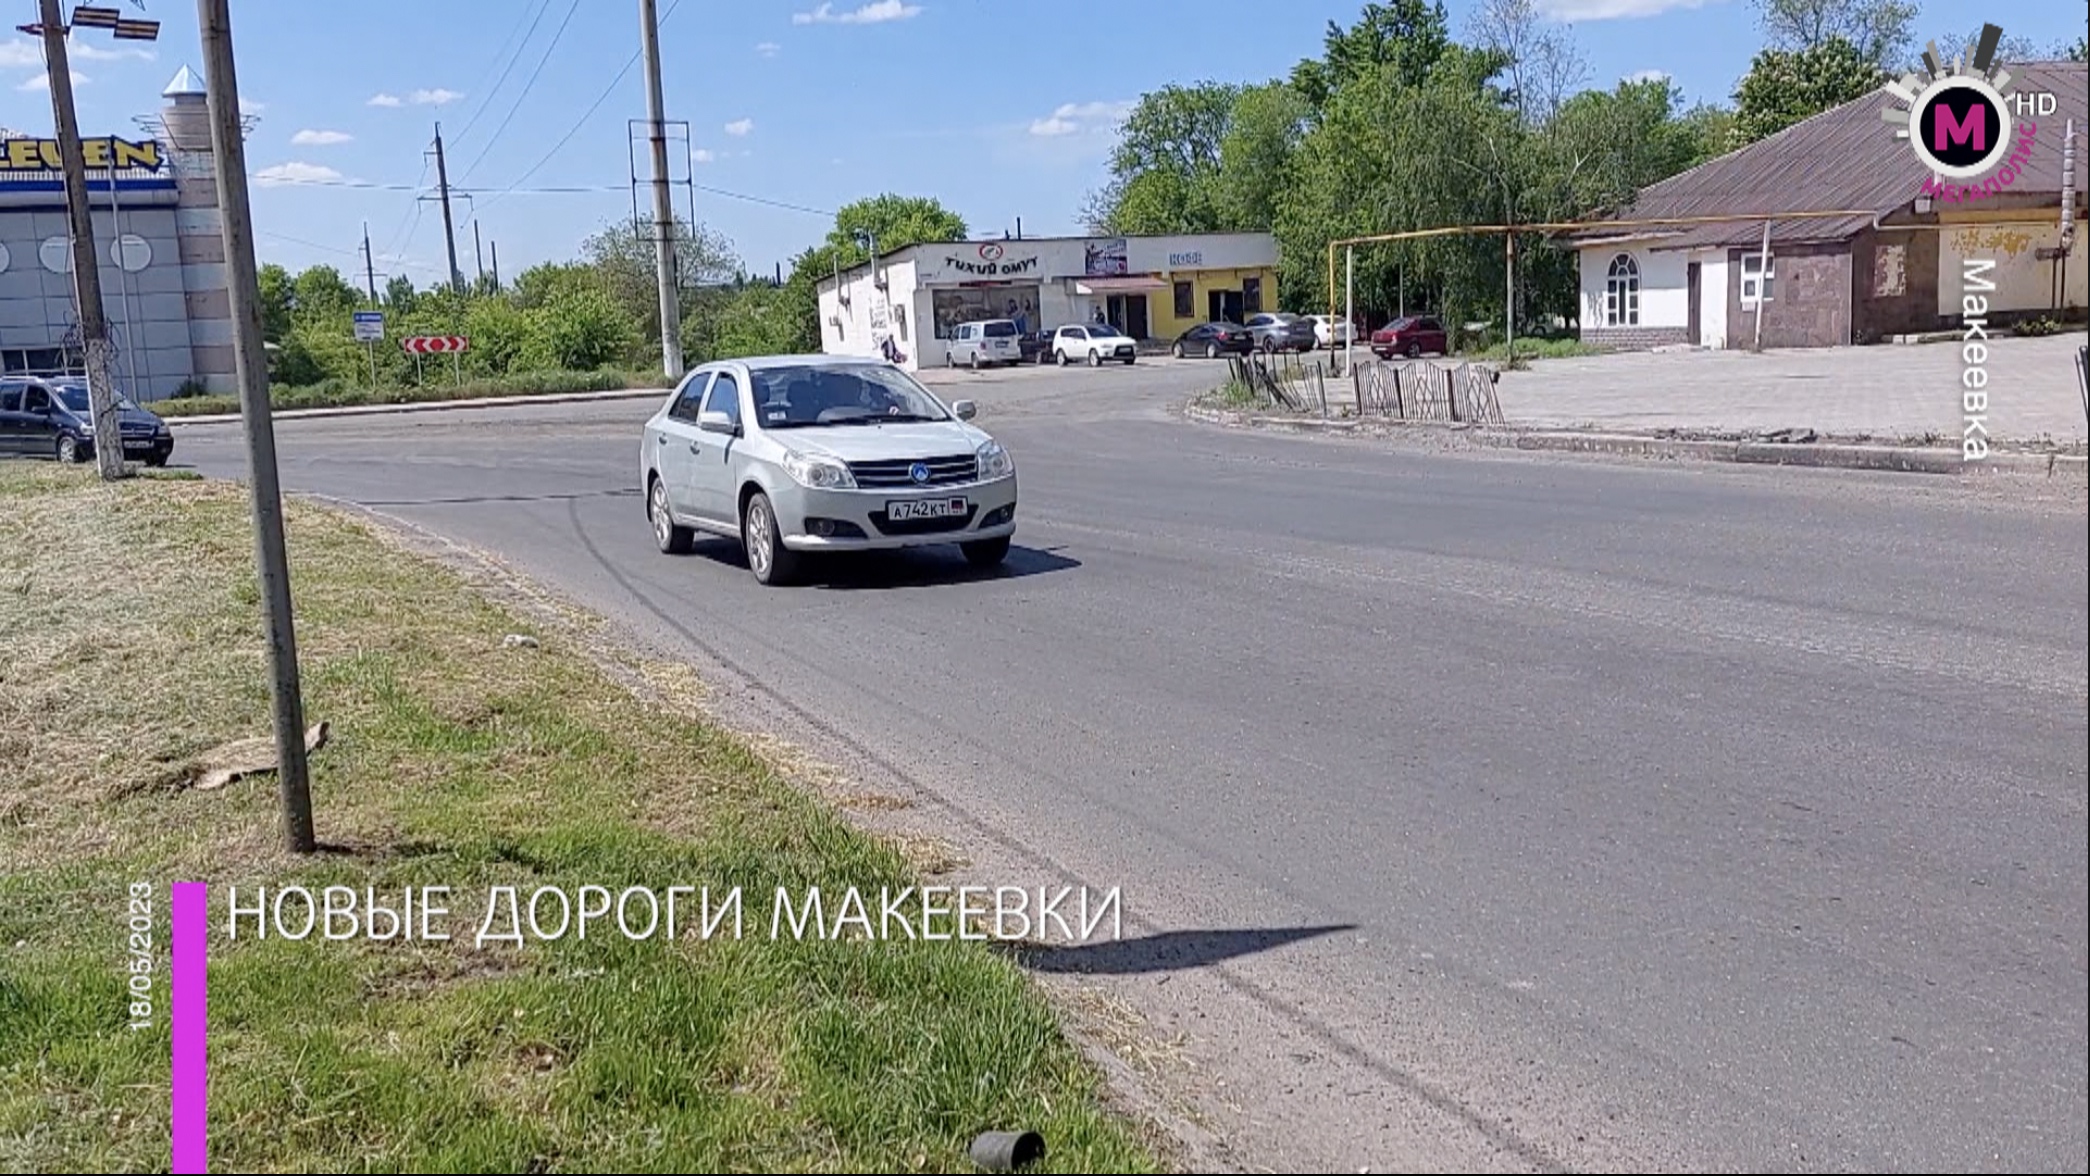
x,y
1965,121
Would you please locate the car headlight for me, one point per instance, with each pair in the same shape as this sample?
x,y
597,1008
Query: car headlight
x,y
817,472
995,462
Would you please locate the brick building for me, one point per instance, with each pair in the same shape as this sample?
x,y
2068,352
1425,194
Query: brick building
x,y
1892,268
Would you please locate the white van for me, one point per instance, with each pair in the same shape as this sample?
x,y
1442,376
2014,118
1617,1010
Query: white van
x,y
986,342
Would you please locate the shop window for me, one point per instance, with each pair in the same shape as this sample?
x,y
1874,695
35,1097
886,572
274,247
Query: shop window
x,y
1251,295
951,308
1759,274
1186,300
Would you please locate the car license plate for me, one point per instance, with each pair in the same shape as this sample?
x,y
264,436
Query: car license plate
x,y
924,508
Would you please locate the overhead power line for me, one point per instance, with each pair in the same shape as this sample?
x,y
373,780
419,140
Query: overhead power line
x,y
525,92
486,94
552,190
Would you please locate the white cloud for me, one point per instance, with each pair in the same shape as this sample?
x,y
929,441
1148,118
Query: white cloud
x,y
319,138
435,97
249,106
740,126
295,173
89,51
21,55
876,12
383,100
1072,118
769,48
1648,75
704,155
42,82
1613,9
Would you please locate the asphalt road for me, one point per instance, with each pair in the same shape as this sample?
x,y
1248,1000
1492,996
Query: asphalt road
x,y
1474,813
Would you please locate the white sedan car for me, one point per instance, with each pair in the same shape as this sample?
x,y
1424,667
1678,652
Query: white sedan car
x,y
798,454
1330,331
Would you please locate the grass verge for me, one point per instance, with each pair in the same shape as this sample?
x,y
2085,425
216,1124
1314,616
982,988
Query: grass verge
x,y
130,618
342,393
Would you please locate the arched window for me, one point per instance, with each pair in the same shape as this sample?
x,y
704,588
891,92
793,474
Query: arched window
x,y
1622,292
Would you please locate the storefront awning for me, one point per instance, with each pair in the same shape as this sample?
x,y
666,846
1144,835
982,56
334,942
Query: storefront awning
x,y
1118,285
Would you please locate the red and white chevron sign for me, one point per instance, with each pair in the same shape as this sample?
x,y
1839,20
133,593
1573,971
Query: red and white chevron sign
x,y
434,344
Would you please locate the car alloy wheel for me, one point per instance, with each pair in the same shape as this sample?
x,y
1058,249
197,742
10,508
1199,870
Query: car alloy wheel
x,y
976,361
1176,351
1211,351
69,451
767,557
1414,349
672,539
1059,357
1095,358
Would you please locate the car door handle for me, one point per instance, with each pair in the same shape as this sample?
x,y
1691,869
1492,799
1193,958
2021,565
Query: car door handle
x,y
695,448
661,440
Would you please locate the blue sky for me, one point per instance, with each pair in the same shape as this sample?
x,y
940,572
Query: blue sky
x,y
989,106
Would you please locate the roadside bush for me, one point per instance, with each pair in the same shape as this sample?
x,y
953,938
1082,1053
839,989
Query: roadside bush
x,y
2038,327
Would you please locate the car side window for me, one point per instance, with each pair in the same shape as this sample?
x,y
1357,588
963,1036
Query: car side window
x,y
724,397
691,396
10,400
36,400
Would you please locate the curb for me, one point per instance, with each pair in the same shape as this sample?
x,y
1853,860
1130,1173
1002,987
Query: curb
x,y
233,418
1895,459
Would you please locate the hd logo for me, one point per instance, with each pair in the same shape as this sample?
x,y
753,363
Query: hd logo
x,y
1958,116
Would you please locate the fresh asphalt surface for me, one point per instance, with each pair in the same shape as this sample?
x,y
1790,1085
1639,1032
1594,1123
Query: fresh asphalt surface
x,y
1470,813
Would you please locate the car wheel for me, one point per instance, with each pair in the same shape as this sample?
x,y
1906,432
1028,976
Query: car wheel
x,y
1211,351
1414,349
1059,357
158,460
950,358
976,361
1176,351
69,451
1130,359
767,557
985,553
1095,358
671,538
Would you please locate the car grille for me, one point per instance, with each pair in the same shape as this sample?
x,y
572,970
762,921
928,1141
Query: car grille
x,y
886,475
923,526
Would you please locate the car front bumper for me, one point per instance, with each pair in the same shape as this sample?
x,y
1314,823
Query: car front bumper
x,y
857,520
140,448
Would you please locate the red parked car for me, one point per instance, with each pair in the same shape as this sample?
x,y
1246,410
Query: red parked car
x,y
1410,336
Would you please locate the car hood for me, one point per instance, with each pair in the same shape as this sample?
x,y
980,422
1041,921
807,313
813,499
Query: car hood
x,y
884,442
133,417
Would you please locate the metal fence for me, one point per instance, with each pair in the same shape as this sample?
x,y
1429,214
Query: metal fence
x,y
1284,380
1423,390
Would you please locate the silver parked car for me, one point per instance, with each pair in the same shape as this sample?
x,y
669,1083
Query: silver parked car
x,y
1282,331
798,454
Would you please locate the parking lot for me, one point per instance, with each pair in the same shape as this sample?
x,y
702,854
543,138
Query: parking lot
x,y
1881,391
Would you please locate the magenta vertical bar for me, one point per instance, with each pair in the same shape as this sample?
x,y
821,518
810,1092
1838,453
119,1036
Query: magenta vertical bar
x,y
190,917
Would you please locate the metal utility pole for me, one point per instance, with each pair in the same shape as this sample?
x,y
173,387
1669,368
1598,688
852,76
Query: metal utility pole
x,y
442,184
229,149
494,247
663,200
369,265
87,272
1509,295
478,255
1349,306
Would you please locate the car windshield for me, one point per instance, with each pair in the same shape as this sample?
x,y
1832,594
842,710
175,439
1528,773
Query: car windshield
x,y
1099,331
854,394
74,396
1400,324
1002,330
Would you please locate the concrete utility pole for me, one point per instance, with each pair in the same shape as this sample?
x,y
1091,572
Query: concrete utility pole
x,y
442,185
478,255
228,140
494,249
663,200
369,265
87,271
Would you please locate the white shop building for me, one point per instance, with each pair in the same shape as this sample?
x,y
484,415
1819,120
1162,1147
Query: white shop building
x,y
906,304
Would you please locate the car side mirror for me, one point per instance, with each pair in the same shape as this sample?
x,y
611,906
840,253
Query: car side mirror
x,y
965,409
717,422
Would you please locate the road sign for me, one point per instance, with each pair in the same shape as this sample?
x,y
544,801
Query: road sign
x,y
434,344
370,326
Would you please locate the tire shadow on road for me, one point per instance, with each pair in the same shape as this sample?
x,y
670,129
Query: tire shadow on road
x,y
1164,951
921,567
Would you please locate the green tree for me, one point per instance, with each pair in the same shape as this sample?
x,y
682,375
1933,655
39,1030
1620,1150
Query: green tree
x,y
320,294
1255,154
1784,87
1405,36
400,294
898,221
1876,30
278,295
1165,169
2080,51
578,331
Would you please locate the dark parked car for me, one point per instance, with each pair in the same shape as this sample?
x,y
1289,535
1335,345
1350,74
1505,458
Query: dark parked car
x,y
1283,331
1410,336
1036,347
1213,340
52,416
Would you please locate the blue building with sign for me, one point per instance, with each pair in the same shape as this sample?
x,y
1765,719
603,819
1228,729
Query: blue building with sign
x,y
155,212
